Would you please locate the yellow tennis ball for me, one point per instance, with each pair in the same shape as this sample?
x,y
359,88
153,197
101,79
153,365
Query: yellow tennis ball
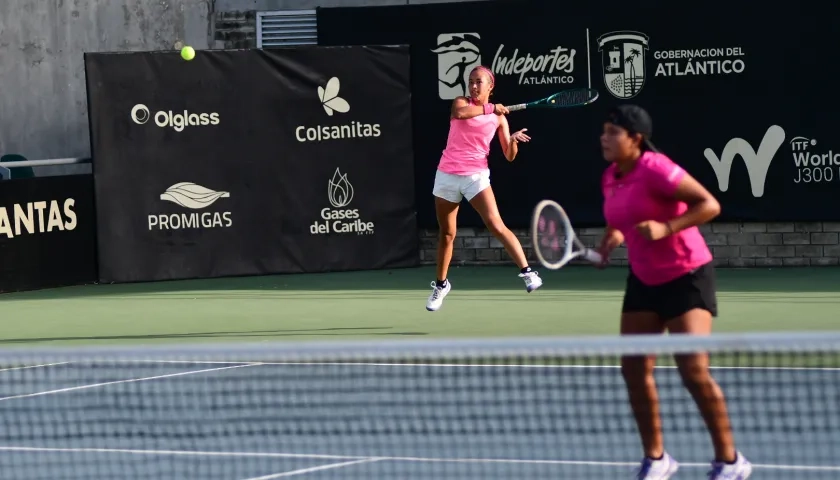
x,y
188,53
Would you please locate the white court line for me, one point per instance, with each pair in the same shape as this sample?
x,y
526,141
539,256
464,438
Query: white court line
x,y
826,468
467,365
198,453
131,380
32,366
315,469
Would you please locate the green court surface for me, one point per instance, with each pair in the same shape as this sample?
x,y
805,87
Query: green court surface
x,y
390,304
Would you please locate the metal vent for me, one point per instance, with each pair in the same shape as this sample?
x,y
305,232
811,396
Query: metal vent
x,y
287,27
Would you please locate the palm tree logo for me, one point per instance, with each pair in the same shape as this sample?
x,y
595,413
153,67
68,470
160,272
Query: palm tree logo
x,y
635,83
623,58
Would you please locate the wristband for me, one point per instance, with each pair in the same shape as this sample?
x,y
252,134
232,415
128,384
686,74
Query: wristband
x,y
489,108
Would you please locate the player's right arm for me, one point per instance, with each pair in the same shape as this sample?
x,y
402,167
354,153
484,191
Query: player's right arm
x,y
611,240
462,109
613,237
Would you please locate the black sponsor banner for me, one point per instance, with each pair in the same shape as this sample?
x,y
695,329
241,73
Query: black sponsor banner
x,y
252,162
732,94
47,232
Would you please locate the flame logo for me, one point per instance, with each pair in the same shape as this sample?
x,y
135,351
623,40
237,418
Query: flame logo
x,y
190,195
339,191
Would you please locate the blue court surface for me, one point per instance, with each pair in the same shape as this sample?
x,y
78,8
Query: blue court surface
x,y
238,421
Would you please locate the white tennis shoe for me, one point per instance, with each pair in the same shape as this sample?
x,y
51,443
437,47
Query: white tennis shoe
x,y
438,294
532,280
740,470
661,469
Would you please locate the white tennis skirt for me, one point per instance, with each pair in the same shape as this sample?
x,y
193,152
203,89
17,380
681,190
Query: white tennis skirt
x,y
454,188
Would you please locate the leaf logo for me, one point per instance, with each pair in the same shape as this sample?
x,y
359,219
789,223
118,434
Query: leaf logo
x,y
190,195
330,99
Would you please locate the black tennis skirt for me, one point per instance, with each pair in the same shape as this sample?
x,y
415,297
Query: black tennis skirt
x,y
696,289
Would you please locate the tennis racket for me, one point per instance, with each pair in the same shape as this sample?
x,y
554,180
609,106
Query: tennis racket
x,y
553,238
575,97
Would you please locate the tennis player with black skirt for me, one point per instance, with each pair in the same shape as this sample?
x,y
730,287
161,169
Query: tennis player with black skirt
x,y
655,206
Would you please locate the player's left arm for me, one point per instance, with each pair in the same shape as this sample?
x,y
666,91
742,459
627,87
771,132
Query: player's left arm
x,y
668,179
510,142
702,205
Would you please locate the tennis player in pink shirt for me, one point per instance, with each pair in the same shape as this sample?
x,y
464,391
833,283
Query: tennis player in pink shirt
x,y
463,172
655,207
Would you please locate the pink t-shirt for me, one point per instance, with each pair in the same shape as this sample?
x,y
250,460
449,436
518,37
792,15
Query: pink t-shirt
x,y
468,144
647,193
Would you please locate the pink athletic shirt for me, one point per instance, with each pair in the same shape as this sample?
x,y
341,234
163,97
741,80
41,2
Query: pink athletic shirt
x,y
468,144
647,193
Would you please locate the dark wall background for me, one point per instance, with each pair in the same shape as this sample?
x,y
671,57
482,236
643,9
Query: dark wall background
x,y
786,55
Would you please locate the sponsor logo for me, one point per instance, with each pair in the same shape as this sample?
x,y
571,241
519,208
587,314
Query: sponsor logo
x,y
757,162
623,59
169,119
330,99
331,102
339,218
457,53
552,68
813,164
624,62
190,195
194,197
38,217
699,61
339,190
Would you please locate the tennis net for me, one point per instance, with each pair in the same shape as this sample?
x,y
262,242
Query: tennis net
x,y
454,409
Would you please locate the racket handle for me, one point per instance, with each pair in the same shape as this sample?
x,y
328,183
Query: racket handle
x,y
518,106
593,256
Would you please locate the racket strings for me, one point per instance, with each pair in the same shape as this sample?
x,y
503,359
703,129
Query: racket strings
x,y
554,240
549,236
572,97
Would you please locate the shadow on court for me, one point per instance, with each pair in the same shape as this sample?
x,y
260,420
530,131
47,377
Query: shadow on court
x,y
796,281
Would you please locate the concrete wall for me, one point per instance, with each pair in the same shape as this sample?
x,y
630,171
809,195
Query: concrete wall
x,y
733,245
262,5
43,102
235,24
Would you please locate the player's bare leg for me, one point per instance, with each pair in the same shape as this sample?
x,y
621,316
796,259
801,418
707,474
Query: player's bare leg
x,y
698,380
644,398
485,204
447,215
